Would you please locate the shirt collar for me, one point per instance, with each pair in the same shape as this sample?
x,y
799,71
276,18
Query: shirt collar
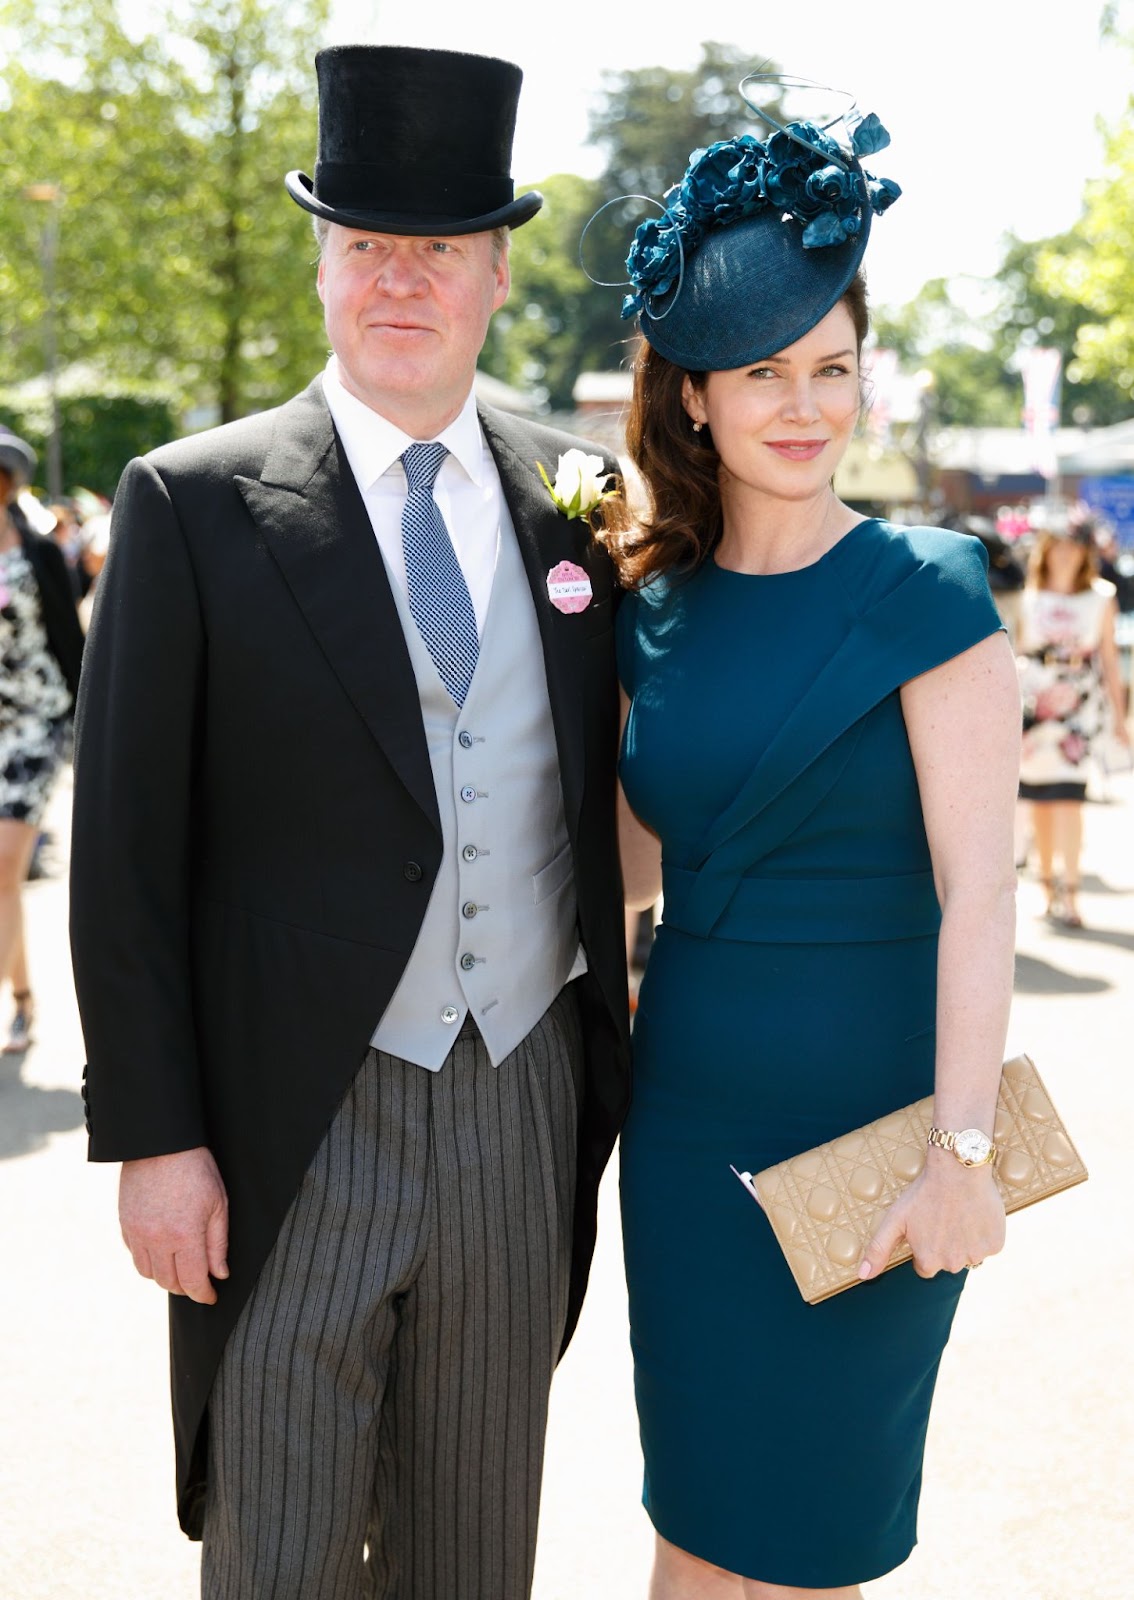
x,y
373,443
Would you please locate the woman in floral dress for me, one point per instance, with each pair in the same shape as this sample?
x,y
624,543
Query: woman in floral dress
x,y
40,651
1069,679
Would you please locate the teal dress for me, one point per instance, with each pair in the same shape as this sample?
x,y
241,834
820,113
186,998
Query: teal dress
x,y
790,996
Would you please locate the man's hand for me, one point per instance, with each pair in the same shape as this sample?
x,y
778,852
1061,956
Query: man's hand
x,y
173,1211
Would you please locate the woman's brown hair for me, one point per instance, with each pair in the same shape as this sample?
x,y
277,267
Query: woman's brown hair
x,y
682,522
1038,567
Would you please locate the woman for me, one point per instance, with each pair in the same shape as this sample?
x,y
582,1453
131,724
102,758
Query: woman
x,y
820,731
41,647
1068,660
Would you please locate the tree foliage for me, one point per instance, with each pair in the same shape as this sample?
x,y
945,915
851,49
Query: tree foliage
x,y
1094,267
648,121
555,323
100,431
970,334
179,257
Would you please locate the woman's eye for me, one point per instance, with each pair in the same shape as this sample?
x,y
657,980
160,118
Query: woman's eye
x,y
762,372
834,371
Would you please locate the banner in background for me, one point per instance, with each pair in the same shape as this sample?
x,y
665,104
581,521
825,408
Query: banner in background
x,y
1042,370
1112,498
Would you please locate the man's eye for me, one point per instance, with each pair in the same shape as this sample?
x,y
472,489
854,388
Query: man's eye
x,y
440,247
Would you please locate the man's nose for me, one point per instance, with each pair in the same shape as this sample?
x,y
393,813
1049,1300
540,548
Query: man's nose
x,y
400,275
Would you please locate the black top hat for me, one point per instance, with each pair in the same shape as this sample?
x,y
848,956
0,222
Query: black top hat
x,y
414,142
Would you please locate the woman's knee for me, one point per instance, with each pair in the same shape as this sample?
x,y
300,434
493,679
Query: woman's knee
x,y
752,1590
681,1576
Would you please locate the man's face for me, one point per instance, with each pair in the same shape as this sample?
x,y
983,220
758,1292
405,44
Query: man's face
x,y
407,317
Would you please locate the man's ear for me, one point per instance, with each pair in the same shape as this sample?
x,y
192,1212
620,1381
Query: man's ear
x,y
320,275
503,280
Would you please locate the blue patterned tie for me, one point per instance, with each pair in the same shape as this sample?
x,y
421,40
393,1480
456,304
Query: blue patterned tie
x,y
438,594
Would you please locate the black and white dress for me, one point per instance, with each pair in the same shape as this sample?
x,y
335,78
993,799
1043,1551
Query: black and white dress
x,y
1061,687
34,696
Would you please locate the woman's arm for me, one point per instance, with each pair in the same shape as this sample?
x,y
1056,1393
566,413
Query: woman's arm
x,y
1111,675
963,720
639,847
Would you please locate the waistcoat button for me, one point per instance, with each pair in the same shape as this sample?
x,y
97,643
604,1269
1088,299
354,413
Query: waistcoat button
x,y
468,962
468,794
411,872
469,909
470,852
465,740
449,1014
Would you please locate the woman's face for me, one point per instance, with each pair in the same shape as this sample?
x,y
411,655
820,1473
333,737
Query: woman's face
x,y
1064,560
781,426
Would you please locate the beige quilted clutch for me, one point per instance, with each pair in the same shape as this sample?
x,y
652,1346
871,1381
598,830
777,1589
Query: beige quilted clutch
x,y
825,1205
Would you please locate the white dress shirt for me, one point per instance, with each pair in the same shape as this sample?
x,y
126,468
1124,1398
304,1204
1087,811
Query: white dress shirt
x,y
467,490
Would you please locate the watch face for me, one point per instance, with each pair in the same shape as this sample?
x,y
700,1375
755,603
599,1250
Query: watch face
x,y
972,1146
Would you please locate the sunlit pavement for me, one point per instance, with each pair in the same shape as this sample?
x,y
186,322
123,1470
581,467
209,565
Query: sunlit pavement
x,y
1030,1467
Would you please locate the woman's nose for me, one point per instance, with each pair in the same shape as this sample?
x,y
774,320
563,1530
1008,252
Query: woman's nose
x,y
799,403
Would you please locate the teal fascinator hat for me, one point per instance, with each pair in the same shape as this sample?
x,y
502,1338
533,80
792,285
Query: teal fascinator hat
x,y
759,240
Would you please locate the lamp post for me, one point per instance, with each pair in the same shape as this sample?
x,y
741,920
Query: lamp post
x,y
50,195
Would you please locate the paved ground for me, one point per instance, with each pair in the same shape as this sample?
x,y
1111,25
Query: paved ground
x,y
1030,1469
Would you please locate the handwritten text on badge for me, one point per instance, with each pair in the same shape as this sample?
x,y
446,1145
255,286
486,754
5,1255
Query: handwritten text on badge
x,y
569,587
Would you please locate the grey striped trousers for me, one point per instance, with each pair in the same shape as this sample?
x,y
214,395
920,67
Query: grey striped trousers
x,y
377,1423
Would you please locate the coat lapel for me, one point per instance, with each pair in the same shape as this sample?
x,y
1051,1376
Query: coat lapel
x,y
313,521
546,538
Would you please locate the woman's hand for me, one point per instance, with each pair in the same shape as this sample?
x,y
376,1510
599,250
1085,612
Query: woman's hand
x,y
952,1215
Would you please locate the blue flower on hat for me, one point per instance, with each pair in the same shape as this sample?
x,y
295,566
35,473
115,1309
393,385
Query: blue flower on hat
x,y
881,192
724,182
869,137
654,262
802,171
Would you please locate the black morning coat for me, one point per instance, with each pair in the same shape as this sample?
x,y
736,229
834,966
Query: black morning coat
x,y
256,832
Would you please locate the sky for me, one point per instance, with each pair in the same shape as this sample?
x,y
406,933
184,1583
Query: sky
x,y
991,104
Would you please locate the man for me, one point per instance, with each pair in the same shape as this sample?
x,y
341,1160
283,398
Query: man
x,y
346,905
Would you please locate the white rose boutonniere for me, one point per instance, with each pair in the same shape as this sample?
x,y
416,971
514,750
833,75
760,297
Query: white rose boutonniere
x,y
580,484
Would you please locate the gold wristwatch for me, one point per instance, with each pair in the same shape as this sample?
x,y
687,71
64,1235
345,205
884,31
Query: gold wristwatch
x,y
971,1147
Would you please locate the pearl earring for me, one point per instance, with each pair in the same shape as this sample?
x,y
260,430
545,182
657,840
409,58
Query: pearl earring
x,y
697,426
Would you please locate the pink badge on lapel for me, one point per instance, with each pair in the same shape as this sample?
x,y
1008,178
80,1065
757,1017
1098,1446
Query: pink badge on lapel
x,y
569,588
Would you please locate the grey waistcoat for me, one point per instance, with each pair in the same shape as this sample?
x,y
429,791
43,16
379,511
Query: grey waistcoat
x,y
500,936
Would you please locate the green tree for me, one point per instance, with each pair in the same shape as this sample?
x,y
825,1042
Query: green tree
x,y
1038,308
970,333
180,256
1094,267
555,324
936,332
648,121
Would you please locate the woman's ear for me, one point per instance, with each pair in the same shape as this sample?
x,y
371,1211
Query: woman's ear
x,y
692,400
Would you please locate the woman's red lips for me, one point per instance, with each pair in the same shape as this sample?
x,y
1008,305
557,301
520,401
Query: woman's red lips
x,y
797,449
